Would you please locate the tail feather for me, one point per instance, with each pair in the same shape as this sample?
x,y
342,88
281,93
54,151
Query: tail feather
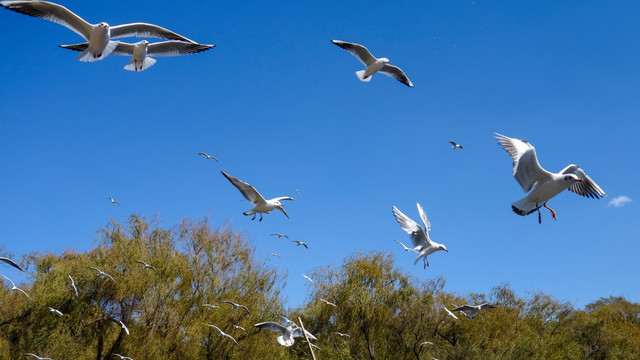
x,y
146,63
523,207
87,56
360,75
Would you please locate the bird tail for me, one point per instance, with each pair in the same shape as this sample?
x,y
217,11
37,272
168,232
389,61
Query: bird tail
x,y
523,207
86,56
360,75
146,63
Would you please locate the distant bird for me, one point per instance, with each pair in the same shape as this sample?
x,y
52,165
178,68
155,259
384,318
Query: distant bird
x,y
102,273
530,174
98,35
209,157
308,278
10,262
450,313
238,327
280,235
235,306
55,311
328,302
276,255
298,191
142,51
114,201
212,307
38,357
123,326
473,309
121,357
14,287
260,205
223,334
146,266
287,333
373,64
342,334
425,343
73,285
407,248
419,236
455,145
300,243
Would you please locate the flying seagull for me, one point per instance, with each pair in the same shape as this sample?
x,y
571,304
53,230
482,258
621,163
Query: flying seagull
x,y
276,255
473,309
328,302
121,357
407,248
122,325
419,236
545,184
212,307
373,64
455,145
425,343
342,334
287,333
209,157
450,313
10,262
38,357
223,334
308,278
238,327
236,306
114,201
146,266
73,285
142,51
102,273
280,235
300,243
55,311
14,287
98,35
260,205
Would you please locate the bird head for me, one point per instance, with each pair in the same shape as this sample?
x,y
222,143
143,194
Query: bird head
x,y
385,60
572,178
103,25
442,247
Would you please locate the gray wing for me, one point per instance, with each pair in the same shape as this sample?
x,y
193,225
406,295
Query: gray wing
x,y
396,73
357,50
230,337
273,326
416,233
52,12
174,48
526,168
10,262
487,306
248,191
423,216
297,332
283,198
463,308
145,30
587,187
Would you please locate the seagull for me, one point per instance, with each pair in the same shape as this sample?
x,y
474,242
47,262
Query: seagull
x,y
236,306
10,262
455,145
473,309
142,51
308,278
102,273
14,287
276,255
545,184
341,334
146,266
328,302
121,357
287,333
300,243
260,204
98,35
425,343
373,64
38,357
450,313
56,311
419,236
223,334
209,157
407,248
126,329
114,201
280,235
73,285
212,307
238,327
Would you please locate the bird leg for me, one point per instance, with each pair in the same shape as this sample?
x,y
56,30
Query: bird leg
x,y
254,217
539,215
553,213
260,217
426,262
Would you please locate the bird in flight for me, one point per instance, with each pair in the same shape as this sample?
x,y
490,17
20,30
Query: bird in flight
x,y
260,205
114,201
238,327
275,255
308,278
209,157
10,262
545,184
280,235
55,311
223,334
455,145
102,273
73,285
300,243
328,302
38,357
450,313
287,333
473,309
121,357
14,287
211,307
146,266
419,236
342,334
235,306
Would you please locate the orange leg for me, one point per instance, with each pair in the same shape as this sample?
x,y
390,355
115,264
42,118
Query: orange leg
x,y
553,213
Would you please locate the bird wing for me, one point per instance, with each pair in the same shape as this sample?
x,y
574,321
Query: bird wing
x,y
52,12
450,313
217,328
487,306
10,262
283,198
174,48
245,309
248,191
145,30
423,216
464,308
297,332
357,50
121,48
587,187
416,233
396,73
273,326
526,168
230,337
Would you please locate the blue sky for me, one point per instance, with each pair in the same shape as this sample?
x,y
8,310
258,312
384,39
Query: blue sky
x,y
282,109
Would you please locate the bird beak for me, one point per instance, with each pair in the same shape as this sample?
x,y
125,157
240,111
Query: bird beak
x,y
445,250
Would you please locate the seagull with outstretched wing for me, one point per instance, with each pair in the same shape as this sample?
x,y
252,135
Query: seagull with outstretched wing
x,y
419,236
260,205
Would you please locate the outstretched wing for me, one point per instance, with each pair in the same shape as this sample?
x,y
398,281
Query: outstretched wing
x,y
174,48
52,12
297,332
10,262
145,30
360,52
396,73
587,187
272,326
248,191
416,233
526,168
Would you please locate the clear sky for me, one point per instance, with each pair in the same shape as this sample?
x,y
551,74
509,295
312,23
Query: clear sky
x,y
282,109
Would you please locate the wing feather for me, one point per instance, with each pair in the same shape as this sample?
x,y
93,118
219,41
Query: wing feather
x,y
145,30
360,52
396,73
526,168
174,48
248,191
52,12
587,187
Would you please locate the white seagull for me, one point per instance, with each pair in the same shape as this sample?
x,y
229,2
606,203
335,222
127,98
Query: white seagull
x,y
211,307
235,306
10,262
545,184
260,204
455,145
342,334
450,313
121,357
55,311
238,327
279,235
300,243
14,287
146,266
425,343
114,201
209,157
473,309
308,278
287,333
73,285
126,329
98,35
373,64
142,51
38,357
102,273
407,248
223,334
419,236
275,255
328,302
